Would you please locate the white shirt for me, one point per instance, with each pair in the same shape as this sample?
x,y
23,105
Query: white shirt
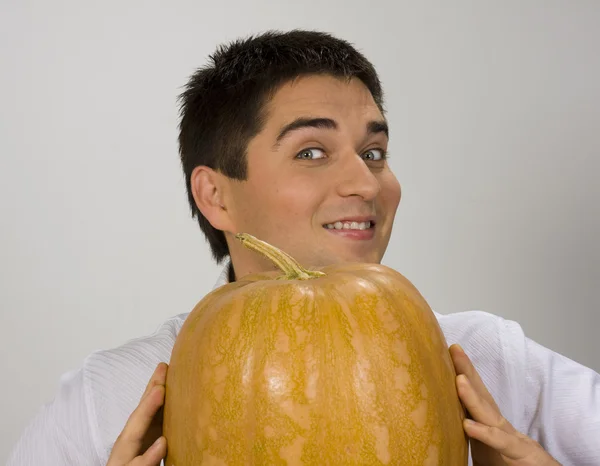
x,y
545,395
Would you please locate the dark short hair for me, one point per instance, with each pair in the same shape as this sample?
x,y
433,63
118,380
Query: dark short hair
x,y
222,105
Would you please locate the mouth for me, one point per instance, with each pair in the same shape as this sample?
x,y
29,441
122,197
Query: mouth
x,y
350,225
354,229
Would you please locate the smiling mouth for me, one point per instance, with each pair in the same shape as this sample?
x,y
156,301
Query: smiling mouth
x,y
349,226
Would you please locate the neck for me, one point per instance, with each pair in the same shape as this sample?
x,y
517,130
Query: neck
x,y
286,265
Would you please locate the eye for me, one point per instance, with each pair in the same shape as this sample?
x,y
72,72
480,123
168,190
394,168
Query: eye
x,y
310,154
374,155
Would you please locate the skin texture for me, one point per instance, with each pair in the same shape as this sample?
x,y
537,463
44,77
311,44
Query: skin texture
x,y
341,185
346,369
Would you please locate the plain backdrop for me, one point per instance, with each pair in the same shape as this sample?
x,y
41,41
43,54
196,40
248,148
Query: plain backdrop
x,y
494,110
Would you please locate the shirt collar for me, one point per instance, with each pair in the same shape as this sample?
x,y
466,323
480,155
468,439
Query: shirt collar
x,y
224,275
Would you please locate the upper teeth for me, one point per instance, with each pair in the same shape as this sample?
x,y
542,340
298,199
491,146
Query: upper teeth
x,y
348,225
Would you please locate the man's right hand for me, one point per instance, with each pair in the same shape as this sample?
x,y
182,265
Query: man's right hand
x,y
141,443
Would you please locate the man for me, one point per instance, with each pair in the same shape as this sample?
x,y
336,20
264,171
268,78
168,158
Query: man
x,y
284,137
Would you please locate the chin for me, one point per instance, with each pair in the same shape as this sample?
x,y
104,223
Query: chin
x,y
345,259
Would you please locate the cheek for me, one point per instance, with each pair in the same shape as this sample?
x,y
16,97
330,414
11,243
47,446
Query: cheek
x,y
391,191
296,198
287,201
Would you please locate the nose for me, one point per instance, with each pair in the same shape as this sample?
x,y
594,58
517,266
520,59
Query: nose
x,y
357,179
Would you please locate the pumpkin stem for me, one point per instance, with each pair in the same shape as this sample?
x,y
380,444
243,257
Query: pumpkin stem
x,y
288,265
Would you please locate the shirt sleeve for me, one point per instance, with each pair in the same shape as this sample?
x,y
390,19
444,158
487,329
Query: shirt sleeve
x,y
60,434
562,400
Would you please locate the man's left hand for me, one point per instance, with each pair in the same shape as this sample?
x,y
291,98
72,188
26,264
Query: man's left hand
x,y
494,441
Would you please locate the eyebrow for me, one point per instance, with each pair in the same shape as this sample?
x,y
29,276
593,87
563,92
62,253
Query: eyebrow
x,y
373,127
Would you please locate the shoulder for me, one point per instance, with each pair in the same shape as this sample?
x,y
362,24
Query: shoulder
x,y
488,337
113,380
485,334
475,324
134,355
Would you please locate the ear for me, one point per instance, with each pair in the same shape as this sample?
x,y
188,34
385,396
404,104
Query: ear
x,y
209,191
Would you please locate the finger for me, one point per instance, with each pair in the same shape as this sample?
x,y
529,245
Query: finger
x,y
141,418
463,365
478,407
154,455
129,443
159,377
514,446
155,430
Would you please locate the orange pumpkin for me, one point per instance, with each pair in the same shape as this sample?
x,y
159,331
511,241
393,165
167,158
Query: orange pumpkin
x,y
342,366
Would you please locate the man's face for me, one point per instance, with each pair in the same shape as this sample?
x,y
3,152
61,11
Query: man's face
x,y
318,184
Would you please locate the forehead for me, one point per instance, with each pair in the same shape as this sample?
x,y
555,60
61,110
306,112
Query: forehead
x,y
322,96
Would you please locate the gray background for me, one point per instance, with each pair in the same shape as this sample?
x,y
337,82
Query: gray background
x,y
495,116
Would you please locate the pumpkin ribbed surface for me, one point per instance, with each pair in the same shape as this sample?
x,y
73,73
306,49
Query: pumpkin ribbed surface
x,y
350,368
